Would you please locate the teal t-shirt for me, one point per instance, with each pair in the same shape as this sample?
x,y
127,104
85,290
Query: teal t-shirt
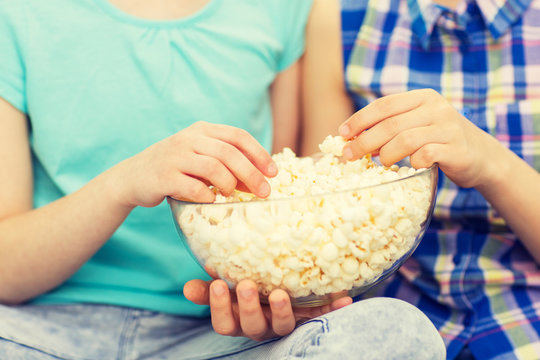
x,y
99,85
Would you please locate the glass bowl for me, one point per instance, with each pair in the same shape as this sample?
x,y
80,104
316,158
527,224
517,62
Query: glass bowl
x,y
315,247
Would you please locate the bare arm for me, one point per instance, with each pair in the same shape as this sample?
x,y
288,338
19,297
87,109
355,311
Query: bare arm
x,y
285,97
41,248
513,188
309,99
326,103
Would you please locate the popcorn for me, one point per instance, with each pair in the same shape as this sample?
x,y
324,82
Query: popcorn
x,y
333,145
326,240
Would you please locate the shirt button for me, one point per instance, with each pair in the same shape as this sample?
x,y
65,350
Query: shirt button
x,y
466,112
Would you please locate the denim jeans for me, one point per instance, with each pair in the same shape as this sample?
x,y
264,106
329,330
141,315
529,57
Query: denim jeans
x,y
378,328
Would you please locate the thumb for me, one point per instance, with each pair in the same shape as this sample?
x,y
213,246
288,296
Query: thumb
x,y
196,291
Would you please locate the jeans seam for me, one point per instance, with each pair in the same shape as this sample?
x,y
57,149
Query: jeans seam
x,y
127,334
319,331
241,350
46,351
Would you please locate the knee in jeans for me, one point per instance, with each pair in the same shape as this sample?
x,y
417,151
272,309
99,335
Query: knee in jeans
x,y
386,328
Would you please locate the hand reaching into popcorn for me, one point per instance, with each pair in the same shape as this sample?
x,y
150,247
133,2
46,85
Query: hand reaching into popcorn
x,y
184,164
422,124
240,313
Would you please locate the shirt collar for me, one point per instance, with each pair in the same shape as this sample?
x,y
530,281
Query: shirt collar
x,y
498,15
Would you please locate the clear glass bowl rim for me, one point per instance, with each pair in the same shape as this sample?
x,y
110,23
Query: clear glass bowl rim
x,y
419,172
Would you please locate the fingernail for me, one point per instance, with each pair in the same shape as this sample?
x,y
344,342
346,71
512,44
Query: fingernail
x,y
218,290
272,169
247,293
347,153
264,189
344,130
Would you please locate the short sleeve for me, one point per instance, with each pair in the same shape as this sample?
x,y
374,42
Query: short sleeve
x,y
12,71
290,17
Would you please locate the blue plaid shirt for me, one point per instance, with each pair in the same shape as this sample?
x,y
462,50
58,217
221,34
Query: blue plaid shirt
x,y
470,274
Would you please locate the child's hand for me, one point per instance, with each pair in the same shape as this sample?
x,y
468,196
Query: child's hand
x,y
423,125
240,313
184,164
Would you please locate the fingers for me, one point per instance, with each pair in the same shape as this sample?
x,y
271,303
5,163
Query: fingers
x,y
221,157
252,319
408,143
399,125
221,309
370,141
209,168
382,109
340,300
341,303
283,320
191,189
248,317
231,149
197,291
425,156
247,144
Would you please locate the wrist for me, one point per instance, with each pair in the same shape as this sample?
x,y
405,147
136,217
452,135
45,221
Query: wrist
x,y
498,170
113,188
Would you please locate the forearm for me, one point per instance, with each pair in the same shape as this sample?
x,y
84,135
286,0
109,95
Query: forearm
x,y
514,191
43,247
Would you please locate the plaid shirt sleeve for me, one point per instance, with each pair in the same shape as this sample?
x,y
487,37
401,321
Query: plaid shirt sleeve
x,y
470,274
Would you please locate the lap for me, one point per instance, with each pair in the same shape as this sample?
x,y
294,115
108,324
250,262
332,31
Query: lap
x,y
376,328
101,332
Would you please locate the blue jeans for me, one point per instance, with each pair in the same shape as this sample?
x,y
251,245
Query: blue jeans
x,y
378,328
